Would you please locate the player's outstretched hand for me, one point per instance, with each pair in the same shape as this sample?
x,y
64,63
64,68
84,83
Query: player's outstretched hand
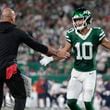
x,y
62,54
46,60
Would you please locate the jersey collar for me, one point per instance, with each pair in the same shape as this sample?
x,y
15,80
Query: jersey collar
x,y
84,37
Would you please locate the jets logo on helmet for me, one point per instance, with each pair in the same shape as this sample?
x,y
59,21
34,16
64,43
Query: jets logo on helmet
x,y
81,14
87,12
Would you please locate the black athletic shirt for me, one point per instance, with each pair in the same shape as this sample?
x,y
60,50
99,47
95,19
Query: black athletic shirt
x,y
10,39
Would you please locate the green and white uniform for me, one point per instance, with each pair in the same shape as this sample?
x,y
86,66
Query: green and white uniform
x,y
85,48
84,71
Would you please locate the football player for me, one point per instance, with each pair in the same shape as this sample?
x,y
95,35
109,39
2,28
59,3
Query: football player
x,y
84,40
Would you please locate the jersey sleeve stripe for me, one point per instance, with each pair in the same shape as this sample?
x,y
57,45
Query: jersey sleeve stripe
x,y
101,34
68,40
67,37
102,37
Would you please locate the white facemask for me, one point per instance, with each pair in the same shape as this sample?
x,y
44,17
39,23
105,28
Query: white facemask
x,y
80,27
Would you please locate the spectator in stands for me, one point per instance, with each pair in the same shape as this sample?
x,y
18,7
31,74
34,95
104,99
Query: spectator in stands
x,y
47,87
40,90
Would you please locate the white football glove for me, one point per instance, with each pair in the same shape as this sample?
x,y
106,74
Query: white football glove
x,y
46,60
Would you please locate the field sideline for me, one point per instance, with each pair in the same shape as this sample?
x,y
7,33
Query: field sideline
x,y
10,108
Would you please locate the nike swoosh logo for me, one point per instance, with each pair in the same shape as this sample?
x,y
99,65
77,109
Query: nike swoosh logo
x,y
90,73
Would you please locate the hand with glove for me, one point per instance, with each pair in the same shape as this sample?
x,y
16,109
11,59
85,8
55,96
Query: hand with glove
x,y
60,55
46,60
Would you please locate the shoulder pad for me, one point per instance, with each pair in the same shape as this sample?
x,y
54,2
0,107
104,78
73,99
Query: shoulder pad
x,y
70,30
97,28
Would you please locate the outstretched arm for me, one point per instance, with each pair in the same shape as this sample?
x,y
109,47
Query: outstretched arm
x,y
47,50
106,43
62,53
65,49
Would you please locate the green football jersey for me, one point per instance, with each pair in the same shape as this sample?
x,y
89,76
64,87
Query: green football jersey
x,y
85,47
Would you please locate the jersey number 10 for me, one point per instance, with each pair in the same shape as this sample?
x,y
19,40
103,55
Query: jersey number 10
x,y
84,48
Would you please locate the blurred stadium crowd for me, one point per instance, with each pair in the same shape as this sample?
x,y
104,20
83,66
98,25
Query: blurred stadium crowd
x,y
47,21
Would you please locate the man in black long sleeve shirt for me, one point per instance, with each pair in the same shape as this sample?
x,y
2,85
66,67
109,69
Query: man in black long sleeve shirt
x,y
10,39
